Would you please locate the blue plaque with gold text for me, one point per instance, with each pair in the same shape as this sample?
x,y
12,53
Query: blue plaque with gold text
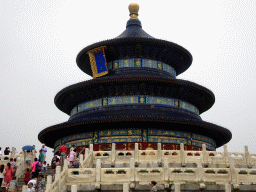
x,y
98,62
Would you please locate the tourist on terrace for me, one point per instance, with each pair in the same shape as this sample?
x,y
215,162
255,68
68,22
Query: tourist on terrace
x,y
73,147
13,185
14,166
71,158
77,164
33,181
41,156
27,176
8,173
41,183
63,150
44,168
153,185
44,150
31,187
7,151
55,163
1,175
35,168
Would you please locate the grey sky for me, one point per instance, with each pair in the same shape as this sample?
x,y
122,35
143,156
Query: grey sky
x,y
39,42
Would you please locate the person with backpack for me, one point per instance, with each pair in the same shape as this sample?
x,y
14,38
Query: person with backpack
x,y
54,165
36,168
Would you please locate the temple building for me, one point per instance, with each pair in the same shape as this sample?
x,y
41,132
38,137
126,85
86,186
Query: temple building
x,y
134,97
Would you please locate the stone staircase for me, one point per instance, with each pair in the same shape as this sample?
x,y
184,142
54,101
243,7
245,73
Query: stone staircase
x,y
48,172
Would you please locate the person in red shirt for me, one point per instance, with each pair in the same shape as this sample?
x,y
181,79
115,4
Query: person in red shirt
x,y
63,150
27,177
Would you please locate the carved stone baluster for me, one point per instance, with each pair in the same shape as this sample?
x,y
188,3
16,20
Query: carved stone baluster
x,y
136,152
24,188
226,156
98,173
227,187
126,187
166,170
48,184
182,154
113,154
177,187
159,153
247,157
91,147
233,174
57,177
205,155
200,170
73,188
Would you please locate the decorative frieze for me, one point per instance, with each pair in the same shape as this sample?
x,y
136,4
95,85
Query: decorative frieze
x,y
140,62
125,139
134,99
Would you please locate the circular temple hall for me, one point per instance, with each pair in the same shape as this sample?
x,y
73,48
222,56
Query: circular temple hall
x,y
134,97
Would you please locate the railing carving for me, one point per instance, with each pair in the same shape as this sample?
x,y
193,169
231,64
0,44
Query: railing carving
x,y
163,166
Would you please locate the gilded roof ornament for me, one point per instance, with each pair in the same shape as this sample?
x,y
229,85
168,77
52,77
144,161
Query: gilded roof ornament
x,y
134,9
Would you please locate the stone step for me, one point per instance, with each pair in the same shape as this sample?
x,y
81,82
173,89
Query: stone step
x,y
21,182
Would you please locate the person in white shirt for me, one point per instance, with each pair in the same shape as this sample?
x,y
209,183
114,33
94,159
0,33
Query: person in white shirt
x,y
153,185
31,187
33,181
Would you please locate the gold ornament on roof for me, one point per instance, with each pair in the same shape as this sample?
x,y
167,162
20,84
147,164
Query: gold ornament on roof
x,y
134,9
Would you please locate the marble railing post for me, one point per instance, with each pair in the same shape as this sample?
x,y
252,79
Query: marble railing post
x,y
159,152
136,152
226,156
65,163
48,184
177,187
227,187
91,147
73,188
204,154
200,170
81,158
166,170
132,168
247,156
57,176
182,154
233,174
86,153
98,173
65,168
24,188
13,152
113,154
126,187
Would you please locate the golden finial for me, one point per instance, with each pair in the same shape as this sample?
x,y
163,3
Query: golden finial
x,y
134,9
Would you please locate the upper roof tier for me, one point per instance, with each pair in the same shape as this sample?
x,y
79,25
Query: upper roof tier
x,y
134,42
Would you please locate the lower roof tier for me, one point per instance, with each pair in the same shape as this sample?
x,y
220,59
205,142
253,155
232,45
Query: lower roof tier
x,y
153,119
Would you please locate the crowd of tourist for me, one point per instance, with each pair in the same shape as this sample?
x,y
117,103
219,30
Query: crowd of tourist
x,y
8,173
36,168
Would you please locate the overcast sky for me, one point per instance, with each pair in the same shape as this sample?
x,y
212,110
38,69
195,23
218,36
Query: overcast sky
x,y
39,42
